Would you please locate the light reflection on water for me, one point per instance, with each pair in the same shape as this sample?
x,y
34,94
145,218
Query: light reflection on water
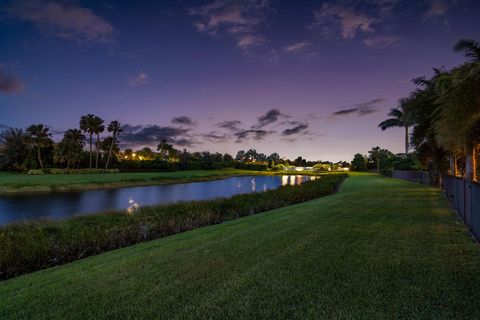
x,y
62,205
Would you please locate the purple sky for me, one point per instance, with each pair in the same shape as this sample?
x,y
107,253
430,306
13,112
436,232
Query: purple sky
x,y
227,75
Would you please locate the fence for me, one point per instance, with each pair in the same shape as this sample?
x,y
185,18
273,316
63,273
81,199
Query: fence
x,y
426,178
463,195
465,198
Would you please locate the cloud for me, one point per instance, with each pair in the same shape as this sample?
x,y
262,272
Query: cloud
x,y
63,19
360,109
138,80
381,41
215,137
233,17
255,134
183,120
436,8
271,116
300,128
385,7
249,41
231,125
238,18
298,47
140,135
349,21
10,83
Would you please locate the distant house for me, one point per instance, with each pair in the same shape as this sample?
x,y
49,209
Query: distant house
x,y
299,168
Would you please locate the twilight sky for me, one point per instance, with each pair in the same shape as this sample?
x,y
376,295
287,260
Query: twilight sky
x,y
309,78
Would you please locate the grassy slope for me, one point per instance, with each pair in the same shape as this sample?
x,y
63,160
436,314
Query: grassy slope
x,y
11,182
381,248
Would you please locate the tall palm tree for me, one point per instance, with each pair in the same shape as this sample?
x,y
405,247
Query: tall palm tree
x,y
87,125
115,128
98,128
458,96
400,118
39,137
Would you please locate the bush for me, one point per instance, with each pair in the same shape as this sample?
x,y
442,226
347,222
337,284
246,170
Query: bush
x,y
70,171
35,172
251,166
321,167
279,167
38,245
81,171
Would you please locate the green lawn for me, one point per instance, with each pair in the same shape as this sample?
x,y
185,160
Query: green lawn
x,y
379,249
14,182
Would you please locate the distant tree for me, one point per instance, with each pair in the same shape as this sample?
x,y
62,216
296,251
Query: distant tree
x,y
146,154
39,137
381,158
400,117
227,157
359,162
70,149
14,149
251,155
274,157
164,149
128,154
88,125
240,156
98,128
115,128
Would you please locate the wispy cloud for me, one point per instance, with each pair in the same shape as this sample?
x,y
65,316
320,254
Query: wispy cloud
x,y
345,18
269,117
382,41
63,19
360,109
141,135
248,41
254,134
300,46
9,83
300,128
231,125
183,120
138,80
436,8
238,18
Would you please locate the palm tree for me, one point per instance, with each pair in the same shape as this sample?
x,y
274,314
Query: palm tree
x,y
115,128
165,149
39,137
87,125
98,128
400,118
70,149
467,91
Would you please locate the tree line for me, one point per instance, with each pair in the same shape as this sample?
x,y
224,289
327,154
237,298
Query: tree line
x,y
83,147
444,114
34,148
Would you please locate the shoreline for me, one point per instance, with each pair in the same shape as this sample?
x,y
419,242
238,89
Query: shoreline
x,y
43,189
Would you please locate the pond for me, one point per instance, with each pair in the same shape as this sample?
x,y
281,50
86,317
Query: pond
x,y
63,205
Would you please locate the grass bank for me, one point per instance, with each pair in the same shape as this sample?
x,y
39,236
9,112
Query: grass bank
x,y
14,183
37,245
11,183
379,249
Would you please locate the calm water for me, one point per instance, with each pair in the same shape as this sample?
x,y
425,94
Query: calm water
x,y
63,205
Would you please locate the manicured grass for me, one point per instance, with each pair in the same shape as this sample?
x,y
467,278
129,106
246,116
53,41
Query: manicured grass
x,y
15,182
379,249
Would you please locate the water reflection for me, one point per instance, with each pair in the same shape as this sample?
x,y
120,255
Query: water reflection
x,y
62,205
